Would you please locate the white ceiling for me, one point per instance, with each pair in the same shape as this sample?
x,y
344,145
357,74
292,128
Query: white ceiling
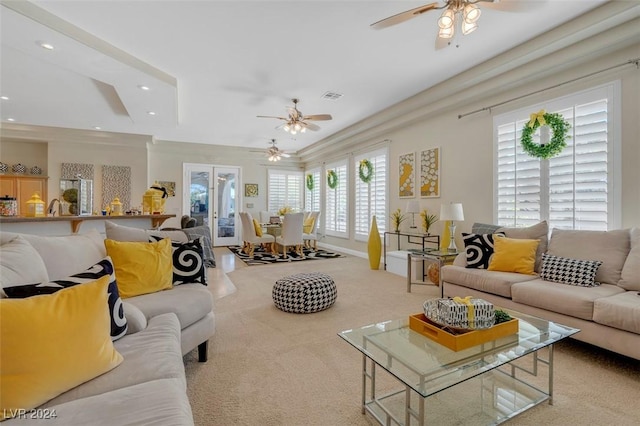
x,y
213,66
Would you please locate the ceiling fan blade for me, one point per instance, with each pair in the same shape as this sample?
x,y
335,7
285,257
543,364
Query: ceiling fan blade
x,y
310,126
271,116
403,16
318,117
281,126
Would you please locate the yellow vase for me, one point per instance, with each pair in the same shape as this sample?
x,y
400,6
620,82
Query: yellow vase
x,y
374,246
445,237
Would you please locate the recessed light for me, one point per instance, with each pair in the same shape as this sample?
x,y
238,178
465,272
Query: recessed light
x,y
97,127
46,45
11,119
4,98
143,87
151,113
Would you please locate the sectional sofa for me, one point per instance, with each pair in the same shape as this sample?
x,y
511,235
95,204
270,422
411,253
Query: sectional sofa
x,y
144,381
608,313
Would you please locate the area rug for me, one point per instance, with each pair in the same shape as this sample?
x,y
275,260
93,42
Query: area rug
x,y
262,256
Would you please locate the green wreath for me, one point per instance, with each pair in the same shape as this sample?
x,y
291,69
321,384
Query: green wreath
x,y
365,170
558,125
332,179
310,182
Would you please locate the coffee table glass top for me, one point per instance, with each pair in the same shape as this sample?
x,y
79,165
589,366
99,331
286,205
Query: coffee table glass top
x,y
428,367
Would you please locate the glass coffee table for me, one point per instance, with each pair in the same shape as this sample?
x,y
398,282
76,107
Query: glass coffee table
x,y
485,384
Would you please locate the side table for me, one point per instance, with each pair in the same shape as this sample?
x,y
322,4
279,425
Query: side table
x,y
441,257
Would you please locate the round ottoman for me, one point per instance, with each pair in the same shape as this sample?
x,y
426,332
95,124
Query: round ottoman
x,y
304,293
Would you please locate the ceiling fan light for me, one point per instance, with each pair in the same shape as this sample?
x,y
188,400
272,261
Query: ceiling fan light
x,y
468,28
298,127
303,130
471,13
286,127
446,32
447,19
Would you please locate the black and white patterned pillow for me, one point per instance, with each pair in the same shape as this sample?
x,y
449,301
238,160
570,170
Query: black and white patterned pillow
x,y
100,269
188,261
569,271
479,248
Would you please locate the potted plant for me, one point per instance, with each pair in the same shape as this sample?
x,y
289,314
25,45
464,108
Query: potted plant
x,y
427,220
396,219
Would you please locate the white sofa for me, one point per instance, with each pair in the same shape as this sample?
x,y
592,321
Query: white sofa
x,y
608,315
149,386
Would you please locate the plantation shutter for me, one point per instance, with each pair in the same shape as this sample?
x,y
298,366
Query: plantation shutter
x,y
572,190
312,197
336,206
371,198
284,189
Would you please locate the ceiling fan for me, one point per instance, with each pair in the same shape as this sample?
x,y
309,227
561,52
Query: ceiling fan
x,y
274,153
296,122
461,13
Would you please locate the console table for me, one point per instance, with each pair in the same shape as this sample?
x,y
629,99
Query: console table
x,y
412,238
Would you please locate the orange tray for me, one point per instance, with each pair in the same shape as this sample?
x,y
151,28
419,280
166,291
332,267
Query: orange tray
x,y
457,342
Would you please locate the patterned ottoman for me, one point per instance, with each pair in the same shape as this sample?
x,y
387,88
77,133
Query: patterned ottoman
x,y
304,293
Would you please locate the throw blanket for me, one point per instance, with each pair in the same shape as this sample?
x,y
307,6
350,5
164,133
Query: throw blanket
x,y
205,232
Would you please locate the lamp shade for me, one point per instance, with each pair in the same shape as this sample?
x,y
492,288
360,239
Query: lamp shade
x,y
451,211
413,207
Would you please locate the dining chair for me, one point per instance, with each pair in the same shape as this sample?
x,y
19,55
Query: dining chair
x,y
291,235
312,235
250,237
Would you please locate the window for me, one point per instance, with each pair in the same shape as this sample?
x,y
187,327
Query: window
x,y
574,190
284,189
312,197
336,202
371,198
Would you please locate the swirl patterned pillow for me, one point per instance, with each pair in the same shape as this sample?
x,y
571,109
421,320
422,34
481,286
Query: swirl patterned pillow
x,y
479,249
188,261
569,271
100,269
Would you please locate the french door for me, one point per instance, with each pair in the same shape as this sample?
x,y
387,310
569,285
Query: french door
x,y
214,200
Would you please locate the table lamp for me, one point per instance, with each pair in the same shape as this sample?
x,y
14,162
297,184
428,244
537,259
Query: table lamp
x,y
452,212
413,207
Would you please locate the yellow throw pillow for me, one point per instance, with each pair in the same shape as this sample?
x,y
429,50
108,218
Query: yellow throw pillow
x,y
513,255
258,228
141,268
307,227
53,343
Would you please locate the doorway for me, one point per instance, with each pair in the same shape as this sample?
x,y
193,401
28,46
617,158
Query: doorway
x,y
213,200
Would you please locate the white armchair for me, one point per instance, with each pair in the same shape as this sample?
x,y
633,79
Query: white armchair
x,y
291,233
312,235
249,236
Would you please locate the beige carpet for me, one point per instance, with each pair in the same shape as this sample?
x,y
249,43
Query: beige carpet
x,y
267,367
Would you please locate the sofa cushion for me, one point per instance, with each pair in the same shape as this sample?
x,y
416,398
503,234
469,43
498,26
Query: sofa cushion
x,y
204,232
136,320
630,275
620,311
84,249
484,228
152,354
611,247
157,402
569,300
187,260
190,302
52,343
514,255
480,279
479,249
141,268
20,264
569,271
100,269
539,231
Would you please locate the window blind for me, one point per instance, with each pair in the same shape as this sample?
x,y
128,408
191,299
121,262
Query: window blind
x,y
371,198
284,189
336,202
312,197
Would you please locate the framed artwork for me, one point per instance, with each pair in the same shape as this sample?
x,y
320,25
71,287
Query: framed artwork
x,y
430,173
169,186
250,189
406,178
